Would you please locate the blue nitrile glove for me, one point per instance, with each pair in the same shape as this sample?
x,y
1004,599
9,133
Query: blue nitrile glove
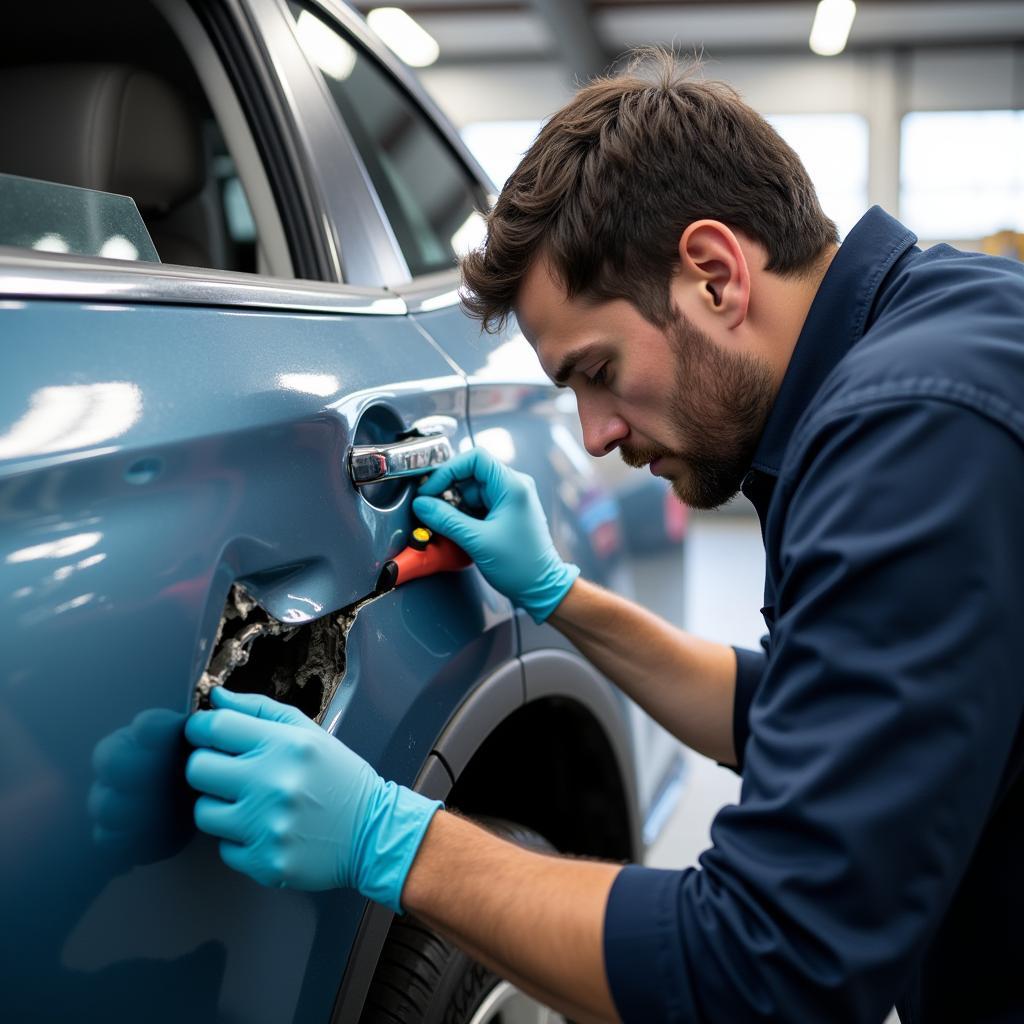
x,y
294,806
511,546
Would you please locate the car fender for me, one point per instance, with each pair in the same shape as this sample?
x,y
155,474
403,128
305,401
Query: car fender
x,y
540,675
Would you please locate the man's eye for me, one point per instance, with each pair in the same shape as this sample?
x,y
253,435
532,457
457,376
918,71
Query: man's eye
x,y
599,377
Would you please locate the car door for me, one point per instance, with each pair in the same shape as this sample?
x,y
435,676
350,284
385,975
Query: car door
x,y
430,191
175,453
197,468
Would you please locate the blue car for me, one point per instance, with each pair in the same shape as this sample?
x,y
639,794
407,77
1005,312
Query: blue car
x,y
232,345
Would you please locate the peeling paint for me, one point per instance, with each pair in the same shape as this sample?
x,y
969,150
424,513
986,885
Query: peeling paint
x,y
304,667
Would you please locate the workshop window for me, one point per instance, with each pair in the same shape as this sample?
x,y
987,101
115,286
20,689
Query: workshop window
x,y
962,173
834,149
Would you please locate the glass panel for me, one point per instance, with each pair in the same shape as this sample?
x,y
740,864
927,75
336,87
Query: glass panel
x,y
428,195
834,149
48,217
962,173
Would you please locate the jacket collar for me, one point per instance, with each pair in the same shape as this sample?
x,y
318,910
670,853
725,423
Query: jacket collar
x,y
835,322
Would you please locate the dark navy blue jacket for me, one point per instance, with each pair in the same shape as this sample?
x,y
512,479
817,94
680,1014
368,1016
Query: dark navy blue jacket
x,y
877,852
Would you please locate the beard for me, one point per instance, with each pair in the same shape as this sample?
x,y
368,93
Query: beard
x,y
720,405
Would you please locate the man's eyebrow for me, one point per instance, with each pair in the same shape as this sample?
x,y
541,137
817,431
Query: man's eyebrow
x,y
567,365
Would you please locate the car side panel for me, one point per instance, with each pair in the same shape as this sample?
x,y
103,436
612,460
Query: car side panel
x,y
150,456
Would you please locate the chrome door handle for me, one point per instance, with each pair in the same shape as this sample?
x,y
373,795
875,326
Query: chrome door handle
x,y
412,456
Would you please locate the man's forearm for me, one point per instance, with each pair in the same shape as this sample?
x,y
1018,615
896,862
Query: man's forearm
x,y
533,918
685,683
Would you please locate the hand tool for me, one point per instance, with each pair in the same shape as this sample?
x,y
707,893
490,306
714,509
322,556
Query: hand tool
x,y
426,554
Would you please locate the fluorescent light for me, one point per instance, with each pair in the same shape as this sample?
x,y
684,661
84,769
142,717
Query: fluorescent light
x,y
324,47
831,27
411,43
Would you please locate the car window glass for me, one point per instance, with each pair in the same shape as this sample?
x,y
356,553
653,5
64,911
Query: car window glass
x,y
47,217
106,98
428,195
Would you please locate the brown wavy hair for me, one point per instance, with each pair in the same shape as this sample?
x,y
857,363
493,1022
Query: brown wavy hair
x,y
614,178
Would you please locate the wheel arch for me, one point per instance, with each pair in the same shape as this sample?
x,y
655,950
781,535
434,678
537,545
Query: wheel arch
x,y
518,715
560,762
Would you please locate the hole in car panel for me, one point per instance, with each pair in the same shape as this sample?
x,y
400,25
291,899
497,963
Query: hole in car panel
x,y
301,665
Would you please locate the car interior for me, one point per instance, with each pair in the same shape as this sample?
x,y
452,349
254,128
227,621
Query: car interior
x,y
104,96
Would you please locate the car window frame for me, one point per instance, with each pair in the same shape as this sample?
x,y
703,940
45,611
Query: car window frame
x,y
188,38
28,274
350,216
280,247
236,36
351,26
278,92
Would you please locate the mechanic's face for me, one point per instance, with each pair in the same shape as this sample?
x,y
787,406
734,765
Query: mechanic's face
x,y
673,399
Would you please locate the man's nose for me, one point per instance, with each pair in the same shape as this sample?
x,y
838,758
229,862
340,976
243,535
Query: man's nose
x,y
603,431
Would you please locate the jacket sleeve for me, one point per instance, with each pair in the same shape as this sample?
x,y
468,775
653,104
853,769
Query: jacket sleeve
x,y
749,670
878,734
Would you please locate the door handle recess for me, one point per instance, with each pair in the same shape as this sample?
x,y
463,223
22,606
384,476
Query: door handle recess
x,y
414,456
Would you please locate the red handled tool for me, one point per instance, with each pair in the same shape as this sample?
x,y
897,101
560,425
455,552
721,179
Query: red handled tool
x,y
426,553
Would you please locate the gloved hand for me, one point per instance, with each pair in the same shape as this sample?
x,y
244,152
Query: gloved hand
x,y
511,545
139,803
294,806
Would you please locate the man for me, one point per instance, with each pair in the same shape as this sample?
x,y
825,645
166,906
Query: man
x,y
664,252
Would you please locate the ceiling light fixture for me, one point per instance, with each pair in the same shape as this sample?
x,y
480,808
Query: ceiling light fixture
x,y
831,28
410,42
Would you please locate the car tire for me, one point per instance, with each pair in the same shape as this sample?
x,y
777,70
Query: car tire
x,y
422,978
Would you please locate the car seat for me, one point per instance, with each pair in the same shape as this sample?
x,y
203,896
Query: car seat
x,y
114,128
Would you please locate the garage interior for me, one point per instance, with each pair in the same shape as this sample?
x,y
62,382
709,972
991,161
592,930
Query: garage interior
x,y
916,106
873,125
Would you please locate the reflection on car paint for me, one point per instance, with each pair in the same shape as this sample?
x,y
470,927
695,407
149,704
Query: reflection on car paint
x,y
62,548
69,416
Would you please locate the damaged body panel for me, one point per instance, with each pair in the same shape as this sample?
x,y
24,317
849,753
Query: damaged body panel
x,y
304,668
116,602
178,509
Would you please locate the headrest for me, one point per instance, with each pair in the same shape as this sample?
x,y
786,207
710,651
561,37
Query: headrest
x,y
109,127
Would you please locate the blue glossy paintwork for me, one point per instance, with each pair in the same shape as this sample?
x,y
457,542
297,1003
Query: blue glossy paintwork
x,y
214,451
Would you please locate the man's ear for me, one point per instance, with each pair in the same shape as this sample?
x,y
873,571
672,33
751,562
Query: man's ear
x,y
712,260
